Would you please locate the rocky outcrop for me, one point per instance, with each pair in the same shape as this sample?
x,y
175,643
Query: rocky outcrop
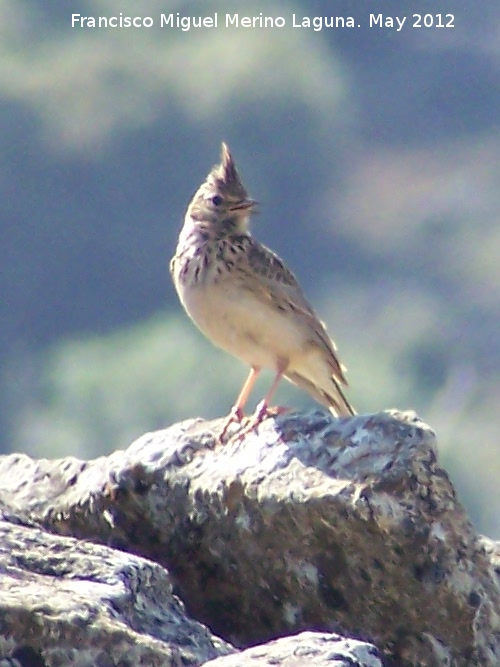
x,y
70,602
338,526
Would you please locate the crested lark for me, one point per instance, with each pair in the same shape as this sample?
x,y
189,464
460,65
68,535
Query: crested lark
x,y
246,301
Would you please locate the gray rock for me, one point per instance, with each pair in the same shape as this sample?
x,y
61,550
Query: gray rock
x,y
317,649
70,602
313,523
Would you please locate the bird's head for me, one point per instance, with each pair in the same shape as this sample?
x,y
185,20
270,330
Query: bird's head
x,y
221,205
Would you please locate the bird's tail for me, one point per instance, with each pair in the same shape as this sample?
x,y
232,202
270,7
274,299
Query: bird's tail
x,y
332,397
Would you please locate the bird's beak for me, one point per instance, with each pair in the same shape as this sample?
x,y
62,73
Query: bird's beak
x,y
244,205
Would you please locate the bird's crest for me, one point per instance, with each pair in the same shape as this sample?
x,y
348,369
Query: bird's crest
x,y
225,179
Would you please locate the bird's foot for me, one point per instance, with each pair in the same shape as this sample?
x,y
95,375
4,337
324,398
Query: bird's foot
x,y
234,417
262,412
276,410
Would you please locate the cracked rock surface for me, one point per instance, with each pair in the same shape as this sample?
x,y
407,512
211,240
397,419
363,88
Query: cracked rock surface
x,y
69,602
310,524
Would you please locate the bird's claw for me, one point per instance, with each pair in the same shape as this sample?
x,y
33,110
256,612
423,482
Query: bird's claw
x,y
262,412
235,417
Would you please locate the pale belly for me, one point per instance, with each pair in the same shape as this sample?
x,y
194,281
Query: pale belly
x,y
236,321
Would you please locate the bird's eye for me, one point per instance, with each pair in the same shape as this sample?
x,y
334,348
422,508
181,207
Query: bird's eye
x,y
216,200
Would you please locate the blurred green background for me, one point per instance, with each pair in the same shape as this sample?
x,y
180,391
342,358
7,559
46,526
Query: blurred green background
x,y
374,154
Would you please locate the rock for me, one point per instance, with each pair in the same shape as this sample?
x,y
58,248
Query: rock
x,y
317,649
70,602
339,526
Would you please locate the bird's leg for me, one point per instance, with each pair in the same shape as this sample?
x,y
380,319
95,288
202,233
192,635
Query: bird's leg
x,y
236,414
262,410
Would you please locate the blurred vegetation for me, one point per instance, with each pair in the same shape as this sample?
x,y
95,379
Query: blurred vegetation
x,y
375,156
108,389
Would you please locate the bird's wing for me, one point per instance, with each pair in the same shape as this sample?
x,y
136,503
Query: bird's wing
x,y
267,275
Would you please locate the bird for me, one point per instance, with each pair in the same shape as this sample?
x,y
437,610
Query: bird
x,y
245,300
